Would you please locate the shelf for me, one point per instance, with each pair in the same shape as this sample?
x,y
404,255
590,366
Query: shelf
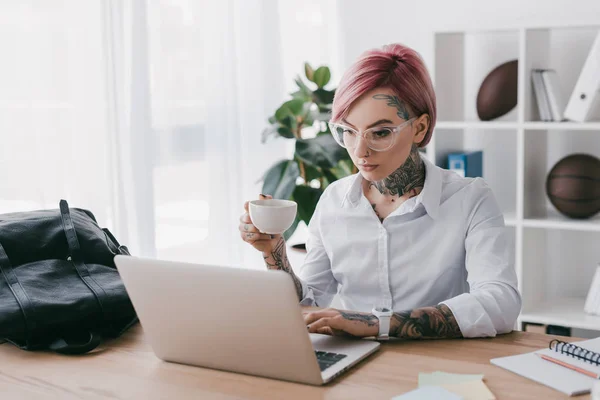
x,y
476,125
564,312
566,126
557,221
530,125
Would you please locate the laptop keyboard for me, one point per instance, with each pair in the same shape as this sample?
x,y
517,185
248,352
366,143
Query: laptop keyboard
x,y
326,360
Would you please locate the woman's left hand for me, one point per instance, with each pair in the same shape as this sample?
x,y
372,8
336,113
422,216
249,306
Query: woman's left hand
x,y
342,323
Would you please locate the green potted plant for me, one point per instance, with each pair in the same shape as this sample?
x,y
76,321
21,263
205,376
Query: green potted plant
x,y
318,160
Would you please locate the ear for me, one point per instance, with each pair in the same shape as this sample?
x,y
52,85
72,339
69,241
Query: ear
x,y
420,125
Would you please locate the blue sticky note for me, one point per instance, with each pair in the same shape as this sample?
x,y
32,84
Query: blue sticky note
x,y
428,393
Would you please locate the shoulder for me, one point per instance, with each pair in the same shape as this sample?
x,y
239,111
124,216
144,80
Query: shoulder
x,y
470,189
337,191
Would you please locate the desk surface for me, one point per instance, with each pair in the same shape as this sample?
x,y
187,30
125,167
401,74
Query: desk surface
x,y
127,368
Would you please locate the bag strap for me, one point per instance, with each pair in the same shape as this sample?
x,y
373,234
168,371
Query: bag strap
x,y
76,258
22,299
122,249
61,346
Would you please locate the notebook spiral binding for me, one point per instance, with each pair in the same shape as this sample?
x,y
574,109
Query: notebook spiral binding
x,y
575,351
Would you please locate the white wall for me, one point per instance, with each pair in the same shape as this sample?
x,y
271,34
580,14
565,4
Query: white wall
x,y
367,24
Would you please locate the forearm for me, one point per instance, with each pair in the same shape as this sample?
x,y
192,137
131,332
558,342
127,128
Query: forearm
x,y
425,323
277,260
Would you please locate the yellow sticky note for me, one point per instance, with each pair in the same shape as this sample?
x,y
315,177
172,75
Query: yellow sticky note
x,y
474,390
441,378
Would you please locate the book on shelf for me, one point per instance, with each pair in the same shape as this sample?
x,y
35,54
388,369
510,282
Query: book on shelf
x,y
548,94
592,301
466,164
585,99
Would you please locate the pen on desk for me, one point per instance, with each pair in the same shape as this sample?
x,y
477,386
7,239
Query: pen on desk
x,y
570,366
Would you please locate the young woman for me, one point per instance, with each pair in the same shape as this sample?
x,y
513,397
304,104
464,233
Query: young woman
x,y
413,250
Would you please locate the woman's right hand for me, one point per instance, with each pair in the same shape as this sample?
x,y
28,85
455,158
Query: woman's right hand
x,y
250,234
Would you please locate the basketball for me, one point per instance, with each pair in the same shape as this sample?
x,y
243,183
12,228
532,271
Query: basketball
x,y
573,186
498,91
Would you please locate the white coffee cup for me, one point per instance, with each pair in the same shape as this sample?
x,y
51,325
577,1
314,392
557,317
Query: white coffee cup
x,y
273,216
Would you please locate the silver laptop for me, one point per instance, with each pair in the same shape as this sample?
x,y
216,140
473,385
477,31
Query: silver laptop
x,y
233,319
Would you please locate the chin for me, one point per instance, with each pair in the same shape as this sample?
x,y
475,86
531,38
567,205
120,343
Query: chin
x,y
372,176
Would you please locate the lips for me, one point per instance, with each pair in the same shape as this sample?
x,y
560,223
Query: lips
x,y
368,167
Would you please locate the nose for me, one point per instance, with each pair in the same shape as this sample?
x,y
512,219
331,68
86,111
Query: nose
x,y
361,149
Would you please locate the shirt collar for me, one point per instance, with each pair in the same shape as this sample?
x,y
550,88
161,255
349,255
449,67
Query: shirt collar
x,y
430,196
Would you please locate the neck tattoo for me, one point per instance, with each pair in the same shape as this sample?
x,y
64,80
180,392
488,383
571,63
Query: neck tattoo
x,y
409,178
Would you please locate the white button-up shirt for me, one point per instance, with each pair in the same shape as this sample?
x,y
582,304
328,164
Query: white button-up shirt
x,y
447,245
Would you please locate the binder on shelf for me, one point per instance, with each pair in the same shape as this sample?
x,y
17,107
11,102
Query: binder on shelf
x,y
585,98
553,94
541,95
466,164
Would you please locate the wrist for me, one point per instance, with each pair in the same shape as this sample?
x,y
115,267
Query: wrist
x,y
384,317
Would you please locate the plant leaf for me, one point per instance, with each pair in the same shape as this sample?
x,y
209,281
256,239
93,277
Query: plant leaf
x,y
280,179
329,176
295,106
309,72
285,132
287,234
322,76
324,96
303,88
307,199
312,172
322,151
342,169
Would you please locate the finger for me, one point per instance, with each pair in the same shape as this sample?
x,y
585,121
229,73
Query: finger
x,y
265,196
325,331
317,315
246,206
320,323
252,237
337,325
245,218
248,228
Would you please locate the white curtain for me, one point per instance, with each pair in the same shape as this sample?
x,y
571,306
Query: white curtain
x,y
150,113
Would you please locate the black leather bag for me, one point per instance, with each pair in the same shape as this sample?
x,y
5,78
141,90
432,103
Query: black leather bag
x,y
59,287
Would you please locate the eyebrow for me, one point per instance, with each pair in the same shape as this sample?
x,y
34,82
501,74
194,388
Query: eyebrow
x,y
381,121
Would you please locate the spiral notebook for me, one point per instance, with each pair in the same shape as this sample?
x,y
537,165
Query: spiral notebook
x,y
584,354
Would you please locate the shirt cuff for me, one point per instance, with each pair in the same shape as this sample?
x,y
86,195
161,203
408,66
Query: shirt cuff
x,y
471,317
308,297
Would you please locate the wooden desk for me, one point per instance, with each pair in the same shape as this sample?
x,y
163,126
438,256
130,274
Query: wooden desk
x,y
127,368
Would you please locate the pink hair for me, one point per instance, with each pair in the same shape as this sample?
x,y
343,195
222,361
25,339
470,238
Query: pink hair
x,y
394,66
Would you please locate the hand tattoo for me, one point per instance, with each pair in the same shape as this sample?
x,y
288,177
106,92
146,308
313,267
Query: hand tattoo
x,y
409,176
369,319
425,323
394,101
280,262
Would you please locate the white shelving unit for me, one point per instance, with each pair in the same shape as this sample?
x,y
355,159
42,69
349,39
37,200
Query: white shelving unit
x,y
555,256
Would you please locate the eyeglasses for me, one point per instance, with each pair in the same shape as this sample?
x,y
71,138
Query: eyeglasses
x,y
378,138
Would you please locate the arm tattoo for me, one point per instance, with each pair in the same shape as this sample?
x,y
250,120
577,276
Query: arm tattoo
x,y
410,176
369,319
394,101
277,260
425,323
